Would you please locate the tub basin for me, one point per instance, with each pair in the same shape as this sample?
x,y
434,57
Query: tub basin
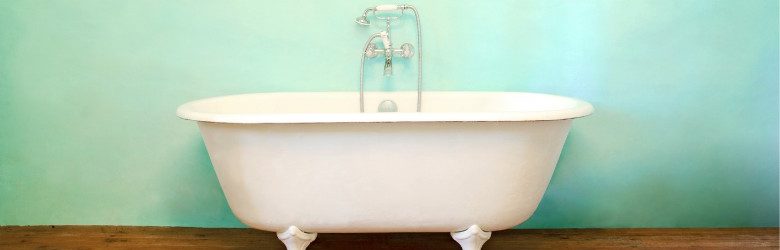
x,y
313,161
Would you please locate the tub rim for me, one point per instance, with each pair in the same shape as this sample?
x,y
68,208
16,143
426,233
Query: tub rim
x,y
188,111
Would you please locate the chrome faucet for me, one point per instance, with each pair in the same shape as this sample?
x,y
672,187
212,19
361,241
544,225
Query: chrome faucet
x,y
388,50
406,50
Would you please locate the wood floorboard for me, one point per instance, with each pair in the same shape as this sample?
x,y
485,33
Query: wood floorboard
x,y
127,237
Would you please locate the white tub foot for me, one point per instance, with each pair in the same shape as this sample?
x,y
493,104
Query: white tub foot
x,y
295,239
472,238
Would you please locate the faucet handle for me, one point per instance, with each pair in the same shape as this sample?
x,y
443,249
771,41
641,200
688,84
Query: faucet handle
x,y
371,51
406,51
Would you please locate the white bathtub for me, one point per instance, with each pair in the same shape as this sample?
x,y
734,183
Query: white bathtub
x,y
311,161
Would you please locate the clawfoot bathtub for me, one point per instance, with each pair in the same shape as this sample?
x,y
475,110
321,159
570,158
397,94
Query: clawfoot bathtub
x,y
306,163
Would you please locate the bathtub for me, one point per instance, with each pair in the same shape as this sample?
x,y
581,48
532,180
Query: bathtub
x,y
306,163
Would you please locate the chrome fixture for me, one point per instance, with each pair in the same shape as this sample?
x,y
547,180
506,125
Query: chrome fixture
x,y
406,50
386,42
387,106
362,20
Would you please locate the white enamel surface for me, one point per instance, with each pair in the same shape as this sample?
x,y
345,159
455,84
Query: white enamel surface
x,y
413,172
321,107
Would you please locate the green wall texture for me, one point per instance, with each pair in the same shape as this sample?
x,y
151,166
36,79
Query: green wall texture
x,y
685,132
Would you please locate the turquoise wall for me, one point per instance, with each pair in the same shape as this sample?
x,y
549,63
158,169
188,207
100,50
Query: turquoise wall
x,y
685,133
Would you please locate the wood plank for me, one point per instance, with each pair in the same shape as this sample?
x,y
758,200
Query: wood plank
x,y
127,237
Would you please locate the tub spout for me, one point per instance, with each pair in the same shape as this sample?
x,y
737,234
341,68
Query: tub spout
x,y
389,66
388,52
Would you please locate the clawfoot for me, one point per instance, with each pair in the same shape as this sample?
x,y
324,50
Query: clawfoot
x,y
472,238
295,239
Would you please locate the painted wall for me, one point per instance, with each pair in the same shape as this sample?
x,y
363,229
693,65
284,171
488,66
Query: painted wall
x,y
685,133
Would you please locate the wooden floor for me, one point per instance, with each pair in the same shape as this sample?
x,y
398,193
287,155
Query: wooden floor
x,y
100,237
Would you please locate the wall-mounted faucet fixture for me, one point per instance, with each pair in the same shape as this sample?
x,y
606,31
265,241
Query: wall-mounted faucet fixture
x,y
406,50
384,35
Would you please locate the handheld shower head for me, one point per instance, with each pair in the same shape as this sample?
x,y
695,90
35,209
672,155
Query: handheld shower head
x,y
390,7
362,20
